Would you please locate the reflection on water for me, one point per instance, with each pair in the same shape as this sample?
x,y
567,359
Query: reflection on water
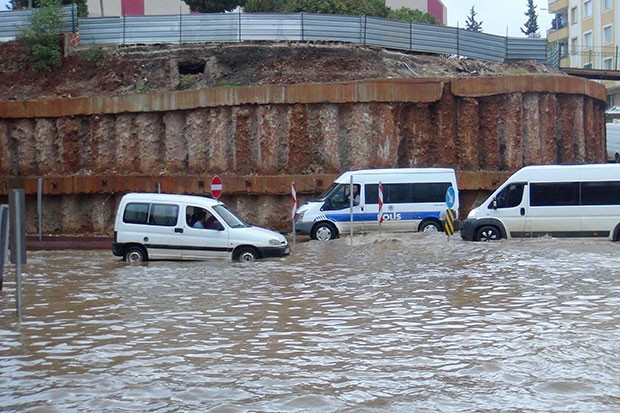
x,y
406,323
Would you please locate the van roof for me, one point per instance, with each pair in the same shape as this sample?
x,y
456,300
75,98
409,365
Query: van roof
x,y
394,171
141,196
570,172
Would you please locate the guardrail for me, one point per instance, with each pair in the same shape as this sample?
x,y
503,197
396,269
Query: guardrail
x,y
308,27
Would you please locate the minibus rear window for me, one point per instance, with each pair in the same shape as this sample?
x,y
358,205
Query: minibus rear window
x,y
554,194
136,213
151,214
407,192
600,193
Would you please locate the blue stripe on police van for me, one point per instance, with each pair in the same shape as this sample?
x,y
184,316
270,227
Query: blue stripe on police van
x,y
387,216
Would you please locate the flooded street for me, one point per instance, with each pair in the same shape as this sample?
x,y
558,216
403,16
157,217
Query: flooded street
x,y
396,323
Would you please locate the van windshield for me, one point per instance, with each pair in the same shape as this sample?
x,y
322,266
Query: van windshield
x,y
333,188
229,217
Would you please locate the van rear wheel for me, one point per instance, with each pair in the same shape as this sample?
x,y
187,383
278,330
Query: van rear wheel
x,y
324,231
430,226
135,254
488,233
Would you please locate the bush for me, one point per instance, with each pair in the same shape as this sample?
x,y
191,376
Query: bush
x,y
42,36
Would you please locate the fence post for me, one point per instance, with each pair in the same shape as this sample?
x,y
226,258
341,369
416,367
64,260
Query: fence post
x,y
458,41
302,27
410,34
239,31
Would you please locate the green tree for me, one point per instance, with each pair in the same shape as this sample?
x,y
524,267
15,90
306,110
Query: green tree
x,y
213,6
265,6
23,4
351,7
471,24
407,14
42,36
530,28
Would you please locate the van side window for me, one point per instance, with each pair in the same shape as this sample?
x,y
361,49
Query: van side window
x,y
164,215
554,194
136,213
510,196
407,193
600,193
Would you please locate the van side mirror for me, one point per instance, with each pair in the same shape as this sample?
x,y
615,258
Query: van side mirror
x,y
494,204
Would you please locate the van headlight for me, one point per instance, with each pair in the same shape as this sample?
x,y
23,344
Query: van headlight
x,y
275,242
473,213
300,216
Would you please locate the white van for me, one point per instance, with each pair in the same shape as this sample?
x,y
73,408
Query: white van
x,y
414,199
555,200
183,227
613,142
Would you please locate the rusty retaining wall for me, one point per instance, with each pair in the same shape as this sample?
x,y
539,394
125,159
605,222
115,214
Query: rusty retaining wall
x,y
91,150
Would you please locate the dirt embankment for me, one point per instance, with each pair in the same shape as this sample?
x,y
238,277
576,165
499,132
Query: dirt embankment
x,y
96,70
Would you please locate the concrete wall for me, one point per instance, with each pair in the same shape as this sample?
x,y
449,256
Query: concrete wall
x,y
259,139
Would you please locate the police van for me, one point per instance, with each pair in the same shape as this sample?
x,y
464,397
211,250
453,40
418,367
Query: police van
x,y
414,199
184,227
553,200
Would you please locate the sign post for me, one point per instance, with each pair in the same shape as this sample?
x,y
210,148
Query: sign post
x,y
293,207
449,225
216,187
380,216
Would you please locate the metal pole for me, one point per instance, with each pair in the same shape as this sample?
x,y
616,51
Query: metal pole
x,y
293,208
40,207
18,247
351,207
4,240
379,188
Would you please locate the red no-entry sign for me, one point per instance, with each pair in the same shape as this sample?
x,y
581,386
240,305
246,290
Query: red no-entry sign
x,y
216,187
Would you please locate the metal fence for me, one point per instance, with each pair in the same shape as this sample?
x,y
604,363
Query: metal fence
x,y
12,22
372,31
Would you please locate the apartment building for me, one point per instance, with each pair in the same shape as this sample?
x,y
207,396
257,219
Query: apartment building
x,y
108,8
433,7
586,34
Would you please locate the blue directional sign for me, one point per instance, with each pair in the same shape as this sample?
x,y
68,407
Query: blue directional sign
x,y
450,197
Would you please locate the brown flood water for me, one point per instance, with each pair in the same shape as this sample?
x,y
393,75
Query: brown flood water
x,y
396,323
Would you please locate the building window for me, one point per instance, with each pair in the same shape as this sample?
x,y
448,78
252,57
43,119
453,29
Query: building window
x,y
607,4
587,40
607,34
573,45
587,9
607,63
573,15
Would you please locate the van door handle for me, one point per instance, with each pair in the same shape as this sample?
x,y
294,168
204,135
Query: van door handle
x,y
522,211
178,230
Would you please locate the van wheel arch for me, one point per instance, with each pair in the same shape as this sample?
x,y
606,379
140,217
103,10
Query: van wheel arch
x,y
492,223
428,224
324,231
135,253
245,253
616,233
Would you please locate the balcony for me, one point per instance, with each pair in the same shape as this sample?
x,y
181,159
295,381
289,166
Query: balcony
x,y
557,5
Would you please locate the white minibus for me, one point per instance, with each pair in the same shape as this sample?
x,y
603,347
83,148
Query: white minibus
x,y
184,227
414,199
613,142
553,200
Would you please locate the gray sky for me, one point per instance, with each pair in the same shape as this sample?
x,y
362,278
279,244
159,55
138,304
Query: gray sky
x,y
497,16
